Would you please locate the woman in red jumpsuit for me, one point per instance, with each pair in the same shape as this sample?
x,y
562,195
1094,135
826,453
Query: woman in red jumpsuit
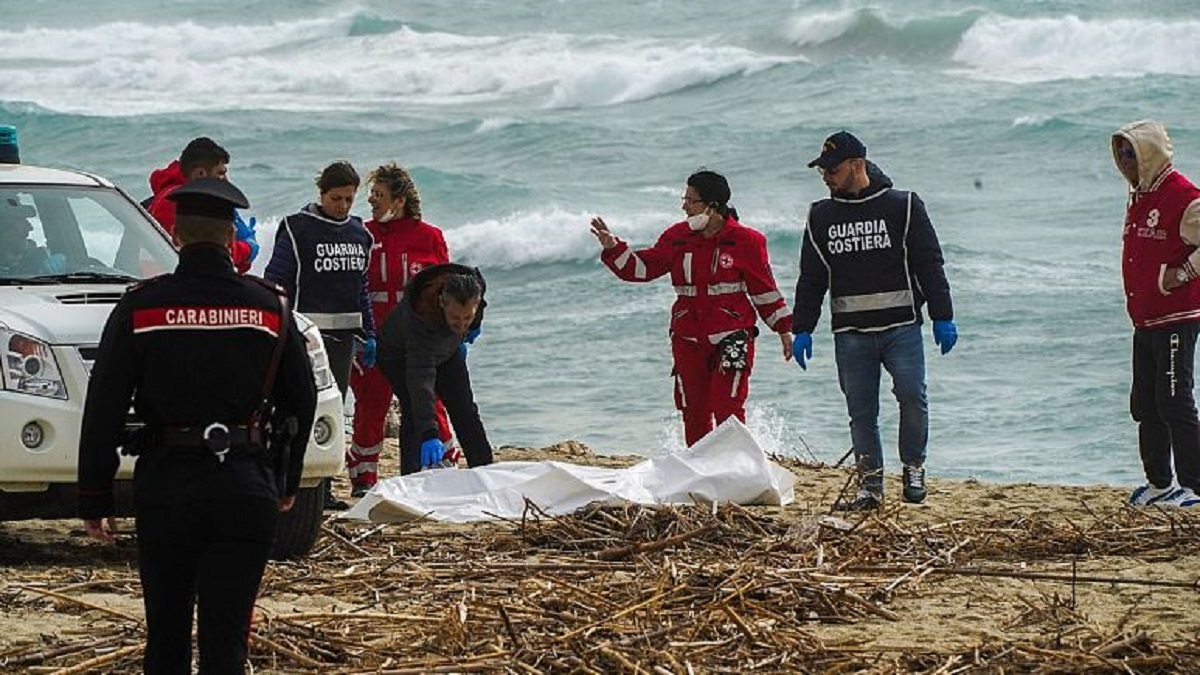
x,y
404,245
722,278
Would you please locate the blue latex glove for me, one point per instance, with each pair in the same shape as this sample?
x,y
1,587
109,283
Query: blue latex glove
x,y
244,231
431,452
368,352
802,349
55,263
945,334
472,334
462,348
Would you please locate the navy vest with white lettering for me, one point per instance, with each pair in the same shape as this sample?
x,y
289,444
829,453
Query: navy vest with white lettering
x,y
331,261
862,244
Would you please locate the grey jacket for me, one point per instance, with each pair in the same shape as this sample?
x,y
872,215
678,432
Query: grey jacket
x,y
416,336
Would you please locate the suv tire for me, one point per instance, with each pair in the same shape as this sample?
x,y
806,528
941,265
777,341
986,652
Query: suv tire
x,y
298,528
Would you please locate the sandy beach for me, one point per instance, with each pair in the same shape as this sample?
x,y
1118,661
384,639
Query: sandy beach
x,y
980,578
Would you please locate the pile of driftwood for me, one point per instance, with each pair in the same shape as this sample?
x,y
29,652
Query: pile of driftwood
x,y
702,588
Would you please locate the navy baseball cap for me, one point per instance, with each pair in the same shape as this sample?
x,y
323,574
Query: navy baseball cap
x,y
209,197
838,148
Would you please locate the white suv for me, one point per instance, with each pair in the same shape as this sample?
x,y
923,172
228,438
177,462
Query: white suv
x,y
70,245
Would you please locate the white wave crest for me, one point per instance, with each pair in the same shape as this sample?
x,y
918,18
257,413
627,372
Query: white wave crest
x,y
816,29
1031,50
555,234
317,64
549,235
494,124
1032,120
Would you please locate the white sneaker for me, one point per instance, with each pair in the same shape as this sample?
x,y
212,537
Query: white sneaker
x,y
1149,494
1182,498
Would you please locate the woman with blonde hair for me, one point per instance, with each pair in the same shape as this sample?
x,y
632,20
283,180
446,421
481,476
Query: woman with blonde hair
x,y
404,245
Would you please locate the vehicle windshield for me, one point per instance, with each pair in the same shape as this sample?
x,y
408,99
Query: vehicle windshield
x,y
54,233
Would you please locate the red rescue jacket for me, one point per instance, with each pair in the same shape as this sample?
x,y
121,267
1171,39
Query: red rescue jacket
x,y
402,248
163,182
720,282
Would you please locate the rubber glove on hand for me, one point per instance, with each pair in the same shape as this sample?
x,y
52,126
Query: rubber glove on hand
x,y
945,334
244,231
431,452
802,349
368,352
472,335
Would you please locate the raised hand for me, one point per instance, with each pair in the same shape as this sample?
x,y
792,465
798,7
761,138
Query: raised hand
x,y
600,229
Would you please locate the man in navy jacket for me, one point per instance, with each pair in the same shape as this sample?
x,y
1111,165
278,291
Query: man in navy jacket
x,y
873,249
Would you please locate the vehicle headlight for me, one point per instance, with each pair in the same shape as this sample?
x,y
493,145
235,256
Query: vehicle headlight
x,y
30,366
322,373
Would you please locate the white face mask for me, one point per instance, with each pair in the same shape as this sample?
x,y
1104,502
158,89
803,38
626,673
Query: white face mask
x,y
698,221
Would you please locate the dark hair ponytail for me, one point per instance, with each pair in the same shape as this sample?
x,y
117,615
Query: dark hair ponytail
x,y
713,189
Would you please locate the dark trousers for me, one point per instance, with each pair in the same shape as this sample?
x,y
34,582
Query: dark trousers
x,y
1162,403
453,387
205,548
339,349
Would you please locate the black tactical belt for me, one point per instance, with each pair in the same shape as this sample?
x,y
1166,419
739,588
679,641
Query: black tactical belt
x,y
217,438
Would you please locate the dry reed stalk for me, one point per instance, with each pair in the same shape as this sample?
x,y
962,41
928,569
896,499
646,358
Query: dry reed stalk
x,y
99,662
343,616
99,583
50,654
81,603
290,654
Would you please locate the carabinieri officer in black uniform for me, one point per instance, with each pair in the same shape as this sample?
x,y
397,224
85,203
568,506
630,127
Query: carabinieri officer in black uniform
x,y
202,353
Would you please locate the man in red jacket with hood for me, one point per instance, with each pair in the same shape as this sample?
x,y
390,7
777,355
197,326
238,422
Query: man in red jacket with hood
x,y
1160,265
201,158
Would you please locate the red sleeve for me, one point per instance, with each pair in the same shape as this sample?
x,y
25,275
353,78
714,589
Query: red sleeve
x,y
764,292
440,249
163,210
241,256
644,265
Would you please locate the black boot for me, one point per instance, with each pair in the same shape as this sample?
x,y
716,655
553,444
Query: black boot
x,y
333,503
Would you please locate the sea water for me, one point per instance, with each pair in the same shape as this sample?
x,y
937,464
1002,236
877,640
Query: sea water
x,y
521,120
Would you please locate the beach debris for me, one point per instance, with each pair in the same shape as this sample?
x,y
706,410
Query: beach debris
x,y
656,589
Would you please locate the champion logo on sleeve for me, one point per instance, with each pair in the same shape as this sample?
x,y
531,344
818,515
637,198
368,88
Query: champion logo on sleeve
x,y
205,318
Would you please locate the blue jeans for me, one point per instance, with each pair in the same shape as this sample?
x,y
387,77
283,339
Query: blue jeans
x,y
859,356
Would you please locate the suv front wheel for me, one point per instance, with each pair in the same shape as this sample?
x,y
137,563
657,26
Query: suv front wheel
x,y
298,528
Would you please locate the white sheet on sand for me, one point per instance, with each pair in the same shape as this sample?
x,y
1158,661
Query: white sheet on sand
x,y
727,465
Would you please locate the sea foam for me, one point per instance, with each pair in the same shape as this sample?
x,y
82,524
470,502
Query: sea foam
x,y
996,46
1069,47
331,63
